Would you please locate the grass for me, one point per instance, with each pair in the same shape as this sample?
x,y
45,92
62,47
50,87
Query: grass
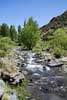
x,y
20,90
5,45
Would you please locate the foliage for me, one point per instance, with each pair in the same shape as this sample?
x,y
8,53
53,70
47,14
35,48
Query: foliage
x,y
20,90
58,53
5,45
59,39
13,33
4,30
30,34
19,33
38,47
2,53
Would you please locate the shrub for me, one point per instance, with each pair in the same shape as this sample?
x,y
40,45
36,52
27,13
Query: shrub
x,y
2,53
5,45
58,53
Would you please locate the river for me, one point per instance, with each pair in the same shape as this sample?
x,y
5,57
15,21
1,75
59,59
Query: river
x,y
45,83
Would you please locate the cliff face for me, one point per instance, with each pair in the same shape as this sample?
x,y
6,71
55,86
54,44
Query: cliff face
x,y
55,23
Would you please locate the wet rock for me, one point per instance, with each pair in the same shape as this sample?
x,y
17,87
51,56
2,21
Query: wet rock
x,y
36,76
64,68
2,86
55,64
13,97
45,89
18,78
29,98
64,59
62,91
48,56
13,78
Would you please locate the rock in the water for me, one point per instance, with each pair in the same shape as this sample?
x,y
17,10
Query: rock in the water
x,y
13,97
1,92
2,86
54,64
13,78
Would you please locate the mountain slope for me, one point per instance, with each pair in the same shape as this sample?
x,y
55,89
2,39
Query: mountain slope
x,y
55,23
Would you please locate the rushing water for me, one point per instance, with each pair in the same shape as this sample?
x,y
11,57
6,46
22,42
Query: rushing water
x,y
44,82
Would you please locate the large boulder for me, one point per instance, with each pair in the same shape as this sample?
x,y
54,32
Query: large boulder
x,y
12,78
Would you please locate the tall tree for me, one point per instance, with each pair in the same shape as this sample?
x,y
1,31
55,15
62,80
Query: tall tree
x,y
19,33
13,33
30,33
4,30
24,22
19,29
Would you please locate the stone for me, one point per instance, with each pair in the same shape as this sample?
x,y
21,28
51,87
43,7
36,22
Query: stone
x,y
55,64
13,78
64,67
13,97
2,86
1,92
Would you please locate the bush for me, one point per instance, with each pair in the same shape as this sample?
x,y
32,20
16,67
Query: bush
x,y
5,45
30,34
2,53
58,53
59,39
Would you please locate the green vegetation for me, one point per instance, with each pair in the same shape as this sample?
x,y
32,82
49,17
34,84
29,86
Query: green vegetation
x,y
20,90
58,53
4,30
5,45
59,39
13,33
30,38
30,34
57,42
19,34
54,24
8,37
7,31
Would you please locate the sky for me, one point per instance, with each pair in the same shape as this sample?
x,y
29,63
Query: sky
x,y
14,12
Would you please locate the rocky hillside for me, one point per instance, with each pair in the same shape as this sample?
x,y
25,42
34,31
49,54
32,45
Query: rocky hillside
x,y
55,23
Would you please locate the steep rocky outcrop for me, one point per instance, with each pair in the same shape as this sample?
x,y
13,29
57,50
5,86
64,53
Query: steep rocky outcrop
x,y
55,23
